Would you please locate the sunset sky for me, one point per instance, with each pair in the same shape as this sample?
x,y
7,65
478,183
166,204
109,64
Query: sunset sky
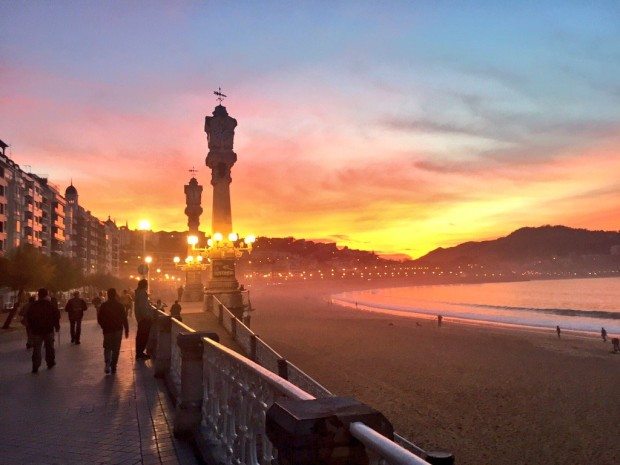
x,y
397,127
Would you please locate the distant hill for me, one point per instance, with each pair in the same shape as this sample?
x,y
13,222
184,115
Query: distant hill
x,y
526,244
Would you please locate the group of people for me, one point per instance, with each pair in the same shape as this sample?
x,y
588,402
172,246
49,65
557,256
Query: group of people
x,y
41,317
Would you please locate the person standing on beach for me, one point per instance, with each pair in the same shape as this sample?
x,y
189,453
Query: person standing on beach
x,y
558,330
112,318
43,319
604,334
439,319
144,312
75,308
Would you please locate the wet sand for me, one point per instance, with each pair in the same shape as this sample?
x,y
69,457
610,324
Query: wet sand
x,y
489,395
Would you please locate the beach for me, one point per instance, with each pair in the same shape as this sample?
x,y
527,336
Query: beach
x,y
487,394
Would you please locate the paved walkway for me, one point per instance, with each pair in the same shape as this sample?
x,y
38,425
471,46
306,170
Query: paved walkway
x,y
75,414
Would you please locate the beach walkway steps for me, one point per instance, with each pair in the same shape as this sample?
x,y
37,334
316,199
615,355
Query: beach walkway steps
x,y
76,414
237,411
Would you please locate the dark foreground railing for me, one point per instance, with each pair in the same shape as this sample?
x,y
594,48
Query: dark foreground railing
x,y
263,409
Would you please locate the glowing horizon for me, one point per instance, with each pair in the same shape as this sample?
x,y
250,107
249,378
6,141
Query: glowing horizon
x,y
395,131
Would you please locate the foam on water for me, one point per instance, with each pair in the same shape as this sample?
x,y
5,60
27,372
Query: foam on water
x,y
575,304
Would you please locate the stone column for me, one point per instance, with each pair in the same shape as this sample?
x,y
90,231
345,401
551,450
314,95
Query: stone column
x,y
161,363
189,401
307,432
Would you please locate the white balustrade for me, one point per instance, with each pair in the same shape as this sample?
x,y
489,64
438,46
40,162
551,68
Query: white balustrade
x,y
176,328
237,394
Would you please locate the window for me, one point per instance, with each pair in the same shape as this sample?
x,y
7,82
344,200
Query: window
x,y
1,226
1,190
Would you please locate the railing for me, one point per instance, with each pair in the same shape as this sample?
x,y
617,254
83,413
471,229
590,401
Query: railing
x,y
270,362
174,374
237,394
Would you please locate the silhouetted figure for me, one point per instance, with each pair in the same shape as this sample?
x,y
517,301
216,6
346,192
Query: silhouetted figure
x,y
559,331
604,334
97,301
43,318
615,342
127,302
75,308
112,318
144,312
24,320
175,310
180,292
439,320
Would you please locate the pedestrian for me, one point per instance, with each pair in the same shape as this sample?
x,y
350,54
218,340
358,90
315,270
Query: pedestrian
x,y
43,318
97,301
439,320
75,308
127,302
558,330
144,312
175,310
180,292
112,318
23,313
604,334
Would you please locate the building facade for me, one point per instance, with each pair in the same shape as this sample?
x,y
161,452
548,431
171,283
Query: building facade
x,y
33,211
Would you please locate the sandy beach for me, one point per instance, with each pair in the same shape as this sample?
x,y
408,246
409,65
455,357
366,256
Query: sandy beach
x,y
489,395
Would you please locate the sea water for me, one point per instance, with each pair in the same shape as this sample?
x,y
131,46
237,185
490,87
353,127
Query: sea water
x,y
573,304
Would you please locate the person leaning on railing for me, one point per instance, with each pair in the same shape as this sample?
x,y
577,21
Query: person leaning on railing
x,y
144,312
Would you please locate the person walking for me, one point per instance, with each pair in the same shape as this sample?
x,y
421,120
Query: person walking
x,y
144,312
175,310
604,334
112,318
97,301
127,302
180,292
43,319
75,308
559,331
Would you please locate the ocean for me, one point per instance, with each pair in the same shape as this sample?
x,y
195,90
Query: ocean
x,y
573,304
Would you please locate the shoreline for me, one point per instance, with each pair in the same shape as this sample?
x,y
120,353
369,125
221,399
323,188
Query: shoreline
x,y
487,394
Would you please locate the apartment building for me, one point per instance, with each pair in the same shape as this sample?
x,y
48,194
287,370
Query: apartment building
x,y
33,211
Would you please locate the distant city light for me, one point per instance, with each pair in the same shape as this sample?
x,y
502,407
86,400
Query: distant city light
x,y
176,259
148,259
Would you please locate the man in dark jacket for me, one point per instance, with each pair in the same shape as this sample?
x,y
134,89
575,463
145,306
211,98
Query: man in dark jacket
x,y
75,308
43,318
112,318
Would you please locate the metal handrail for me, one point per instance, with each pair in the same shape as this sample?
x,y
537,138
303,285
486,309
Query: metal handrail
x,y
387,449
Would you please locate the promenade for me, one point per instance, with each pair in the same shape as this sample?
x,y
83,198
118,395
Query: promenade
x,y
75,414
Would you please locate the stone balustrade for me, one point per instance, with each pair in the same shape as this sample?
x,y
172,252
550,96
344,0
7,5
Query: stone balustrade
x,y
264,410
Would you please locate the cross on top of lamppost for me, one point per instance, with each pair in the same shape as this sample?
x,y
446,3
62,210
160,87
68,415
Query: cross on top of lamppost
x,y
219,94
193,171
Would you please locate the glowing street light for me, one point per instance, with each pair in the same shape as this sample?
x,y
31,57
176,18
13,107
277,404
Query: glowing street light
x,y
250,239
176,259
192,240
148,260
218,237
232,237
